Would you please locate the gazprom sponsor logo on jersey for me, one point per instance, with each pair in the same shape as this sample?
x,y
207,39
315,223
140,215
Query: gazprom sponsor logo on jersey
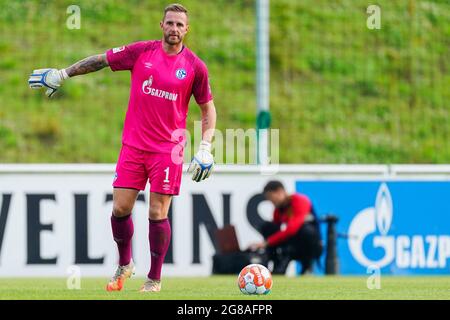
x,y
399,226
147,89
181,74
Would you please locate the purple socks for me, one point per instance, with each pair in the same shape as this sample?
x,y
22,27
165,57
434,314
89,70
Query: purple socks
x,y
159,238
123,229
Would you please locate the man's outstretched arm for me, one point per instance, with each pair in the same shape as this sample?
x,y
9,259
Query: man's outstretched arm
x,y
87,65
51,79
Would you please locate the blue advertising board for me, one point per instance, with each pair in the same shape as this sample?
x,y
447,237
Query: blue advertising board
x,y
403,227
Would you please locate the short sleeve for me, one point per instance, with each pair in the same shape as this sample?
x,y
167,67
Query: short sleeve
x,y
201,88
124,58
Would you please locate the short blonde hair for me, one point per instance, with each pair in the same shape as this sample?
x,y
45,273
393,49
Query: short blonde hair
x,y
175,7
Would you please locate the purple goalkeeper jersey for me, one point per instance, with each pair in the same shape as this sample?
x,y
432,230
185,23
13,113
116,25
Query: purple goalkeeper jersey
x,y
161,87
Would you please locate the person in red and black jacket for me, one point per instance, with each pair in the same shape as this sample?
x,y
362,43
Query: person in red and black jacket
x,y
299,239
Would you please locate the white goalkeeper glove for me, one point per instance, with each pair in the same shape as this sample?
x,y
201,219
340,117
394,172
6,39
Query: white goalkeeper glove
x,y
202,163
47,78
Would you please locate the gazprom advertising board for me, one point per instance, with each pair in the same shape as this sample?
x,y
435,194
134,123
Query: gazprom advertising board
x,y
56,218
403,227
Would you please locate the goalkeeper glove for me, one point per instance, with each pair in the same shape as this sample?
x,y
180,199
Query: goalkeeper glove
x,y
202,163
47,78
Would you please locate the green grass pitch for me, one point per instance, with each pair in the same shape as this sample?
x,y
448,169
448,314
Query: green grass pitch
x,y
225,288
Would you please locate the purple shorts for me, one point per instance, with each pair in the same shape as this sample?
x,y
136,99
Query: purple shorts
x,y
135,167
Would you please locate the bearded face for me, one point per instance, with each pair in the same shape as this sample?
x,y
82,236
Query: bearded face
x,y
174,27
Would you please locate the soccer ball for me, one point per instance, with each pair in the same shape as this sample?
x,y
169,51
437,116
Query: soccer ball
x,y
255,279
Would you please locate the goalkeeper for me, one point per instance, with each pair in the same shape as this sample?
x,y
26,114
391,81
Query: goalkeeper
x,y
164,75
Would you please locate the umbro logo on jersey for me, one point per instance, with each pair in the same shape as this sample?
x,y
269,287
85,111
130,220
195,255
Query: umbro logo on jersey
x,y
181,74
148,65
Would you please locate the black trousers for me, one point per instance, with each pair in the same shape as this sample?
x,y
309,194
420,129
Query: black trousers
x,y
305,246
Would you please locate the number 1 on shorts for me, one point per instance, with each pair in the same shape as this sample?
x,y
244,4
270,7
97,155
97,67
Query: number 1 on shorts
x,y
167,174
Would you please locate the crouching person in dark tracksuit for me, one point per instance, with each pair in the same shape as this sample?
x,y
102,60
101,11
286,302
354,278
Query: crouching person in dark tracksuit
x,y
299,239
